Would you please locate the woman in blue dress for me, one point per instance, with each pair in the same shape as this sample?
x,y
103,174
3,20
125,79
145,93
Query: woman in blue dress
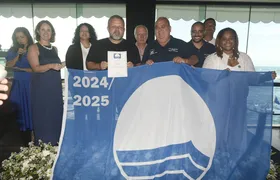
x,y
46,85
20,91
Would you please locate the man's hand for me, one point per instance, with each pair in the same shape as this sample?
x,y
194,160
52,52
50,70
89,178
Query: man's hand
x,y
150,62
103,65
129,64
179,60
274,74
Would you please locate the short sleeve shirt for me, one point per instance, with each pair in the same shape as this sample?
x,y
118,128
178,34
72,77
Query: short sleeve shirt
x,y
205,50
157,53
99,51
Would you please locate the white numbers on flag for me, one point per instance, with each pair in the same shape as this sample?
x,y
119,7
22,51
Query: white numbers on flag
x,y
87,82
94,101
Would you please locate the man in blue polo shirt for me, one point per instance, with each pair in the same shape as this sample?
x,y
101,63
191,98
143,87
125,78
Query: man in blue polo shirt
x,y
198,46
167,48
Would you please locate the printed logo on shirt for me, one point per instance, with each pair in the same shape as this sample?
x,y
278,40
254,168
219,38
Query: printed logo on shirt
x,y
152,52
173,50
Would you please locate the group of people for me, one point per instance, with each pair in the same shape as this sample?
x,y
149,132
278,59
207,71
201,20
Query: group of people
x,y
38,95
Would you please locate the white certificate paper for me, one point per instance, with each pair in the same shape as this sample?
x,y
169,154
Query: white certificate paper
x,y
117,64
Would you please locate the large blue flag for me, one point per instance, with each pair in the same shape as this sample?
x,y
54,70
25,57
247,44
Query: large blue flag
x,y
166,121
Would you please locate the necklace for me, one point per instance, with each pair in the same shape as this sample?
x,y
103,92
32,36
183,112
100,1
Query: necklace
x,y
48,48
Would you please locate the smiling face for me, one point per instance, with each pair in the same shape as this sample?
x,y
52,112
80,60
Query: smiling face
x,y
116,29
84,33
227,42
45,32
163,30
197,33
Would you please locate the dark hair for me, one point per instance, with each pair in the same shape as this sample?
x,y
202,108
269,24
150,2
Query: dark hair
x,y
16,45
197,23
91,30
210,19
219,51
115,17
37,29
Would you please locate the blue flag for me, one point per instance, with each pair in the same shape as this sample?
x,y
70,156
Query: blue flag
x,y
166,121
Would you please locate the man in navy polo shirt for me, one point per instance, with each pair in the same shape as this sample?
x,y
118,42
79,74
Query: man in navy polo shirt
x,y
198,46
167,48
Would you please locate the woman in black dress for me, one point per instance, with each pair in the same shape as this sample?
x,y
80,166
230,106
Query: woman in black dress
x,y
46,87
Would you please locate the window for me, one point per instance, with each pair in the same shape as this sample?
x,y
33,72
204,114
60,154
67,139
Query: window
x,y
181,18
234,17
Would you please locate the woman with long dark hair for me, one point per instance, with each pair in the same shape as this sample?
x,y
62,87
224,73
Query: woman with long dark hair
x,y
77,53
20,91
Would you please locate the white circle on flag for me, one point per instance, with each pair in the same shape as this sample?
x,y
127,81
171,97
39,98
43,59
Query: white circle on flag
x,y
164,111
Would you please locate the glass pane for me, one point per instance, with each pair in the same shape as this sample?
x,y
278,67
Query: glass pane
x,y
98,15
181,18
234,17
263,42
276,106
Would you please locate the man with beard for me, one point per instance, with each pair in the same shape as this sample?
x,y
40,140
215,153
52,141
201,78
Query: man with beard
x,y
167,48
210,27
197,45
97,57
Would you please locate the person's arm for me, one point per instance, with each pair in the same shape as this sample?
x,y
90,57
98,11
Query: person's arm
x,y
210,63
23,69
94,60
33,60
133,56
13,57
69,59
249,66
192,60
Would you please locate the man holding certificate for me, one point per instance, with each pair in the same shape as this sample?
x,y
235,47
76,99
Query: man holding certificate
x,y
114,51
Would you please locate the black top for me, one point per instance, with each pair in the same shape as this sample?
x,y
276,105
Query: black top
x,y
98,51
205,50
157,53
47,56
74,57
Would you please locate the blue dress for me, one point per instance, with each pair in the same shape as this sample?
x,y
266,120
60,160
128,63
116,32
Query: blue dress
x,y
46,99
20,92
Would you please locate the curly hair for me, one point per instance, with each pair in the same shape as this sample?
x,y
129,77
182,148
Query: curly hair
x,y
219,49
16,45
92,34
37,30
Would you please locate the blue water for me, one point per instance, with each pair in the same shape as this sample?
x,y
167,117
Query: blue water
x,y
276,93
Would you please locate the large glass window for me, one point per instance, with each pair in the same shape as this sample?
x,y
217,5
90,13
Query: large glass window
x,y
234,17
181,18
264,36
